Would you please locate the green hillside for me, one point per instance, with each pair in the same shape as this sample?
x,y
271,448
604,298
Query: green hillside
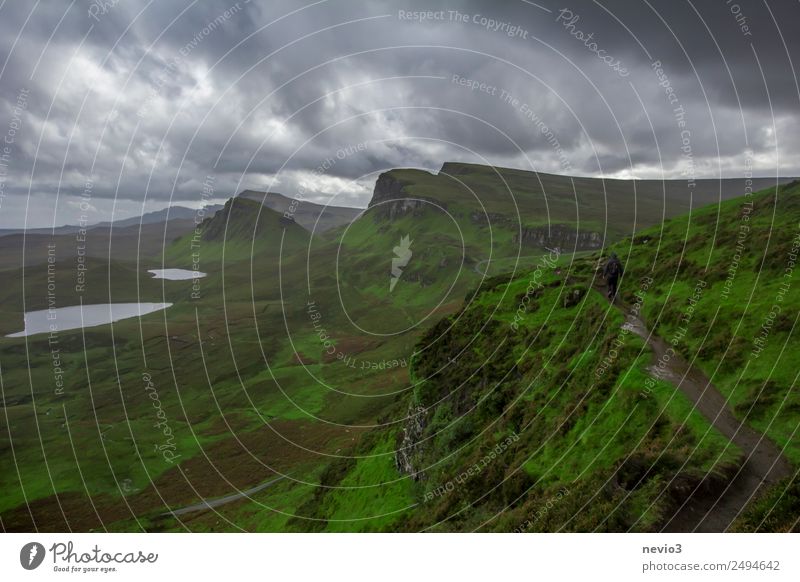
x,y
242,230
513,199
319,358
544,415
742,326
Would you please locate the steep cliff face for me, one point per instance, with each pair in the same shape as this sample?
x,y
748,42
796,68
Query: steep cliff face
x,y
236,219
390,198
387,187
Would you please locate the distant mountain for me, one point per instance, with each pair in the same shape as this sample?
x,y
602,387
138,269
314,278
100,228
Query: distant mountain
x,y
169,213
166,214
243,229
242,219
315,218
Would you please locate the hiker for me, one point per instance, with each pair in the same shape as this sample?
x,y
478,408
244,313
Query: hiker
x,y
612,272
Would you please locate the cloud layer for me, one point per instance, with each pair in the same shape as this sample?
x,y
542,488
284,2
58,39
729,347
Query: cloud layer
x,y
143,100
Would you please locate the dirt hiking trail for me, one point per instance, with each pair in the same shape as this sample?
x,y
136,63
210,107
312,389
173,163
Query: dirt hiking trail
x,y
712,506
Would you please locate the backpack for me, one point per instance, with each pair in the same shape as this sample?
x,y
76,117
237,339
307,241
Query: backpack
x,y
613,268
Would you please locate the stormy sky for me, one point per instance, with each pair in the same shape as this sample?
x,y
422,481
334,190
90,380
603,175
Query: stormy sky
x,y
124,106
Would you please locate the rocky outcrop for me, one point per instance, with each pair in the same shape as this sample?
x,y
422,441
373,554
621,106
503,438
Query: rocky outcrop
x,y
390,200
563,236
574,296
409,446
387,187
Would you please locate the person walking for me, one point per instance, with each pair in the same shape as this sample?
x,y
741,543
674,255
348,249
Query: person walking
x,y
612,273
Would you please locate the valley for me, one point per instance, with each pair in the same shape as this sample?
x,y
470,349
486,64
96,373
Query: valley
x,y
441,361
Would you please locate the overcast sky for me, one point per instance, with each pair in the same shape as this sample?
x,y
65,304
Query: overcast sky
x,y
136,104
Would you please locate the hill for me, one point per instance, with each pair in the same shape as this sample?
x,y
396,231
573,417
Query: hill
x,y
377,366
243,230
537,208
537,408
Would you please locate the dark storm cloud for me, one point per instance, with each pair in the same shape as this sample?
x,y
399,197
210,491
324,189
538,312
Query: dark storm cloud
x,y
146,100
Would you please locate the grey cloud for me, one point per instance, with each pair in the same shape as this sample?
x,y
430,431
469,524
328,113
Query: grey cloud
x,y
147,84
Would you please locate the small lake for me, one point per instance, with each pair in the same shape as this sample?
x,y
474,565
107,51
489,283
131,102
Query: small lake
x,y
176,274
75,317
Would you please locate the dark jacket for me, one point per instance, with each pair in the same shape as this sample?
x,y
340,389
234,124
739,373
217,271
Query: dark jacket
x,y
613,269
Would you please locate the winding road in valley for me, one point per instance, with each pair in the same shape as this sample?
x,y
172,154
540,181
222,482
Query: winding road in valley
x,y
710,508
212,503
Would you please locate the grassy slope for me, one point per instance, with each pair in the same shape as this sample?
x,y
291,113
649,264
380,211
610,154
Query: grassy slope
x,y
744,286
575,430
743,333
572,429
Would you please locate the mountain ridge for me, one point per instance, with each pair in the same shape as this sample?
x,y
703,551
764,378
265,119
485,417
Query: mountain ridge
x,y
164,215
